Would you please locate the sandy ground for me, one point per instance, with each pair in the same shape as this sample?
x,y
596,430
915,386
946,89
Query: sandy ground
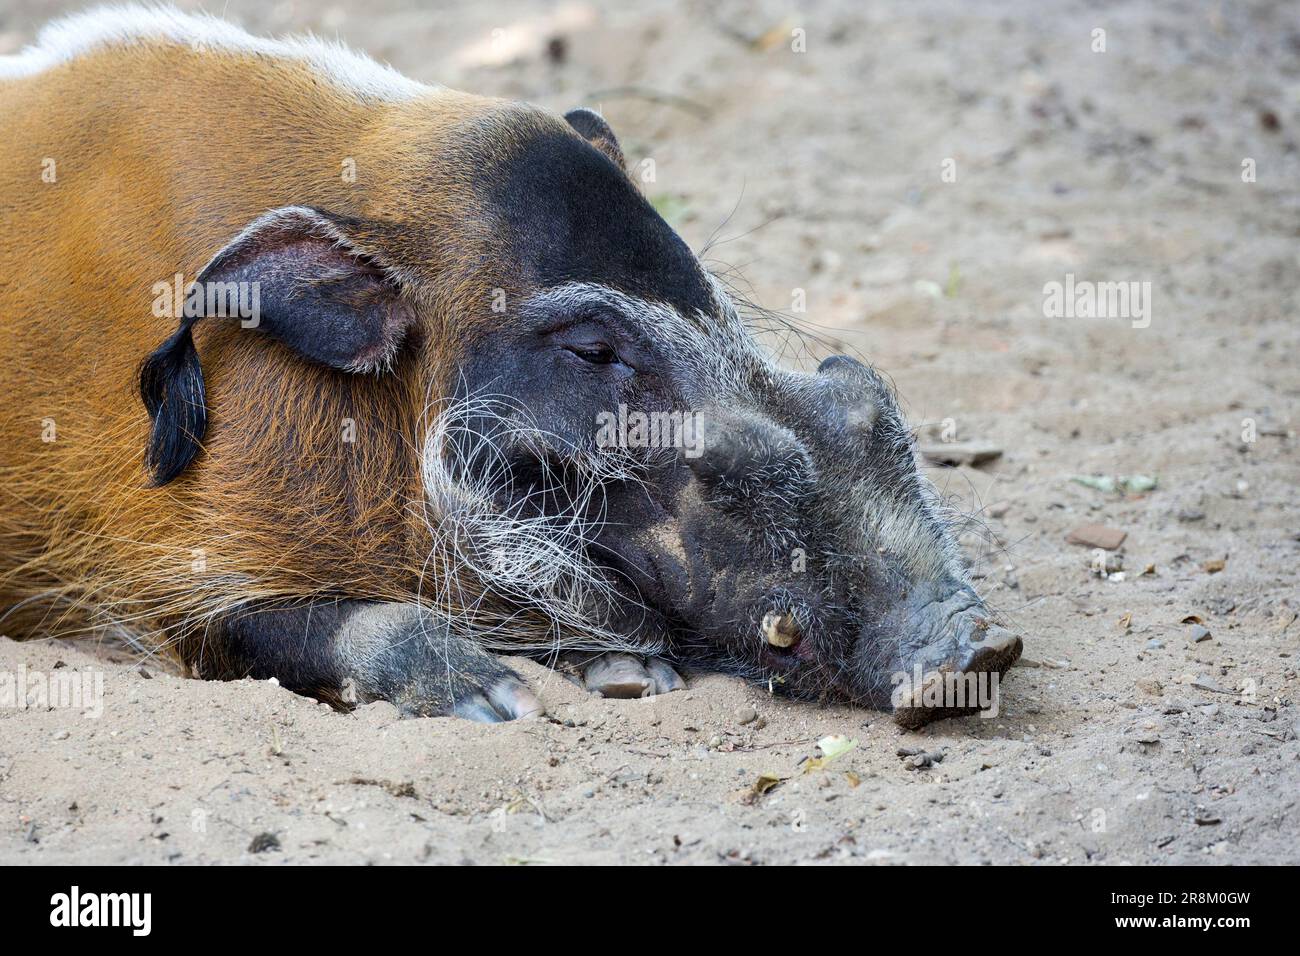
x,y
1120,739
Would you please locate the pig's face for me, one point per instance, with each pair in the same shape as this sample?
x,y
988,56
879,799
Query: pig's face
x,y
622,454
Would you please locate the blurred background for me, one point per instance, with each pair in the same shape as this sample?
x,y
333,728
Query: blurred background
x,y
805,145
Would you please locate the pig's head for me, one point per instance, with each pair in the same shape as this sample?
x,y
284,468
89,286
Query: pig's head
x,y
623,451
603,455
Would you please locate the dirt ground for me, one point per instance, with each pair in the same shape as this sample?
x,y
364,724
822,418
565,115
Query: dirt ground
x,y
1121,738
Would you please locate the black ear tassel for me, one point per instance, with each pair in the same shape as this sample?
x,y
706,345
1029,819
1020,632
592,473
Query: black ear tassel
x,y
171,387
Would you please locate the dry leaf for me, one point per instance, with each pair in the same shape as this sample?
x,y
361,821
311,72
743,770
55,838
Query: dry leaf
x,y
835,745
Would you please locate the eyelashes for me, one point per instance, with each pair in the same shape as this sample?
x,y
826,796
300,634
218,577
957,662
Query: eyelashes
x,y
595,353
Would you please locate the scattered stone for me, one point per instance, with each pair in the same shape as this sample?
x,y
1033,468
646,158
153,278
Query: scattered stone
x,y
1263,714
1203,682
746,715
999,510
1199,633
1129,484
1097,536
1149,685
1147,732
960,453
1214,566
1210,710
1113,564
264,842
1188,515
1155,644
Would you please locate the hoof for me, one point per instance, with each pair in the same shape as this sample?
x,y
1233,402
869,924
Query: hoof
x,y
505,700
626,675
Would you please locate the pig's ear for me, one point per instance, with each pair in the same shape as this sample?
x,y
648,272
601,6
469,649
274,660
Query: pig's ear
x,y
593,128
296,275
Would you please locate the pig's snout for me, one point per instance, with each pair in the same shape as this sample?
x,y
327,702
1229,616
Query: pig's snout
x,y
951,656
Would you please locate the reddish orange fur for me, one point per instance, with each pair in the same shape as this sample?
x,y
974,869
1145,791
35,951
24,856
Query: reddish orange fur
x,y
163,155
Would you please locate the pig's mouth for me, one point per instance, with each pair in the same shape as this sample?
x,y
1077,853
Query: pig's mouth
x,y
880,647
934,657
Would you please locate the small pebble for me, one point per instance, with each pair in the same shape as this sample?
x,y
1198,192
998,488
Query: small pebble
x,y
1203,682
1147,733
1097,536
264,842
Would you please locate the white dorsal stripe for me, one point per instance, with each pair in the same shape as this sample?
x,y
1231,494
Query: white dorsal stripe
x,y
64,40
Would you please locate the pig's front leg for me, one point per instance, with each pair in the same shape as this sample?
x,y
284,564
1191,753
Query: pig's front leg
x,y
351,652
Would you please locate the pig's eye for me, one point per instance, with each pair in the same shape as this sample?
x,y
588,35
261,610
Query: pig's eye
x,y
597,353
